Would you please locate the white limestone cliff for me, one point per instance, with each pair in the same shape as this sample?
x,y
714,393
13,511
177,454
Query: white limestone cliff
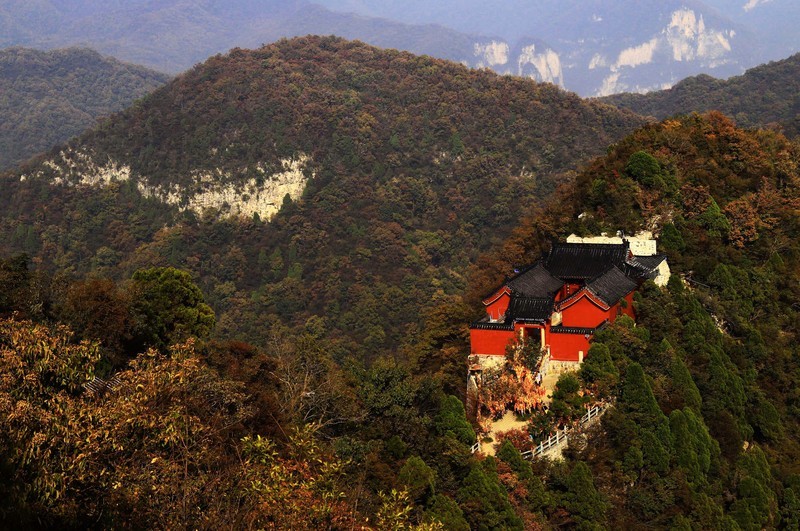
x,y
491,54
684,39
225,195
546,63
263,196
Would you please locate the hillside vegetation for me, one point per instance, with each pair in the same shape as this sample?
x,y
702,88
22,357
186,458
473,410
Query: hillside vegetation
x,y
303,372
414,167
764,96
48,97
704,434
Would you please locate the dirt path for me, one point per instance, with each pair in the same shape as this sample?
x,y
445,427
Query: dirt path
x,y
549,384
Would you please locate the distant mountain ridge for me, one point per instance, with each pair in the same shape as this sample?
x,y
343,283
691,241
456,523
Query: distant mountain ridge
x,y
602,46
765,95
173,35
773,22
48,97
595,48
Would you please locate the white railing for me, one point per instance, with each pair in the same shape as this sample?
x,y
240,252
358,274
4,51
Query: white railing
x,y
593,412
562,436
551,442
475,447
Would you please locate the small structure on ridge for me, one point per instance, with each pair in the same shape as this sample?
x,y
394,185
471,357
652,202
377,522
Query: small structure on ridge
x,y
560,301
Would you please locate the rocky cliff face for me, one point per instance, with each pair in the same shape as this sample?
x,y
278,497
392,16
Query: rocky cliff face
x,y
684,43
657,56
534,60
216,192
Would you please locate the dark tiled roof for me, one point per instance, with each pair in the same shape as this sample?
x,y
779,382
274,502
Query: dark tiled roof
x,y
650,262
643,267
535,281
584,261
571,330
485,324
612,286
577,330
530,308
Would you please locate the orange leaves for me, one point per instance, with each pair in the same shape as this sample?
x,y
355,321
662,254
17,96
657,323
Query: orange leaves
x,y
696,199
299,491
36,362
509,387
744,220
157,449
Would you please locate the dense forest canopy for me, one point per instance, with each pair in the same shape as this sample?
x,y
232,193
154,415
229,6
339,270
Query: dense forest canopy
x,y
305,371
766,95
48,97
418,164
703,433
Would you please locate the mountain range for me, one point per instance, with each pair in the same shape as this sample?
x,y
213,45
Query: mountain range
x,y
376,168
598,47
48,97
594,48
173,35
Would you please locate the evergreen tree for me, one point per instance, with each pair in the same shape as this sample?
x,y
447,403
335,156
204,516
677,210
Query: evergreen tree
x,y
586,506
790,510
418,478
451,419
168,307
485,501
756,505
637,399
511,456
447,512
683,386
645,169
693,446
671,238
599,371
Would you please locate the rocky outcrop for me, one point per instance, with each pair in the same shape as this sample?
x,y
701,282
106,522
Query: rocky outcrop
x,y
212,192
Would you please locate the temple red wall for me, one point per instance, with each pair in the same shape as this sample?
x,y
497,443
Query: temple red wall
x,y
585,314
490,341
565,347
567,290
618,309
498,308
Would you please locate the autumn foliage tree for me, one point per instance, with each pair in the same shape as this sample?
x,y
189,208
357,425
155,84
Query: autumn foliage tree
x,y
163,445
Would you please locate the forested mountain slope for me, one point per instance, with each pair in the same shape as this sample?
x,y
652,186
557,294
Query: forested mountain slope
x,y
767,94
390,172
48,97
704,433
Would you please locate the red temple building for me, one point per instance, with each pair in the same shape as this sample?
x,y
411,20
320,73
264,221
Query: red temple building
x,y
560,301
